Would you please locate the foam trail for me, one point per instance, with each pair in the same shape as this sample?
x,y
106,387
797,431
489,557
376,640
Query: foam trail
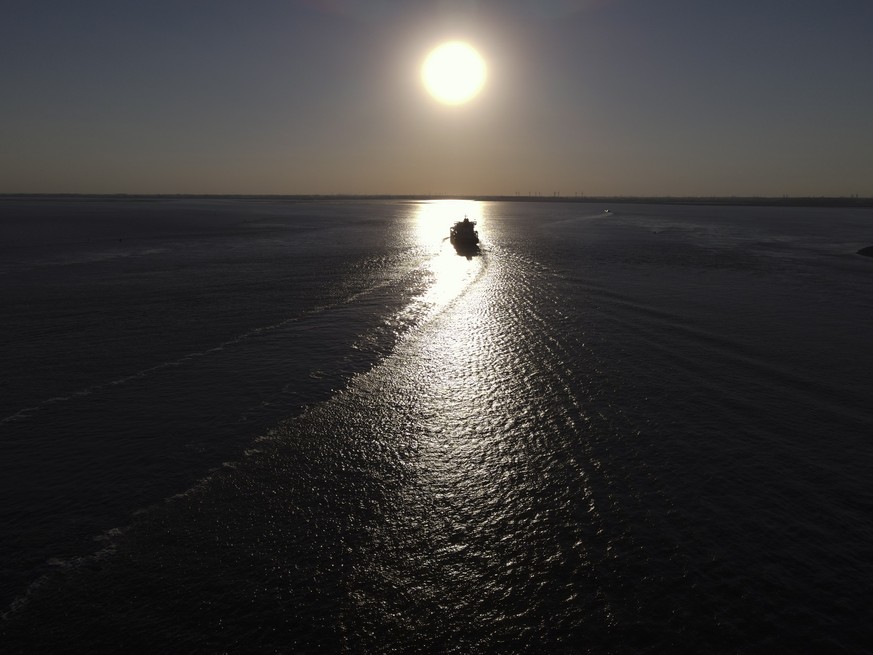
x,y
27,412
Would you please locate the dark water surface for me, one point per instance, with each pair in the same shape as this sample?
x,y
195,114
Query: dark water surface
x,y
647,430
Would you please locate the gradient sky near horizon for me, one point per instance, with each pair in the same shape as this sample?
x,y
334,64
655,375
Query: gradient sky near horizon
x,y
594,97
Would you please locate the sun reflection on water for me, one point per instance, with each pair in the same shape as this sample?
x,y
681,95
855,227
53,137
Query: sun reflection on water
x,y
486,514
450,272
435,217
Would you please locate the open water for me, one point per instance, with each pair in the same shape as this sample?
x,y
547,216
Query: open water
x,y
267,425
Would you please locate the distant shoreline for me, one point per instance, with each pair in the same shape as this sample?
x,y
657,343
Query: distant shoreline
x,y
647,200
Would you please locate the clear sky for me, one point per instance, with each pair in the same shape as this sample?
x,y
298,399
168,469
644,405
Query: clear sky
x,y
601,97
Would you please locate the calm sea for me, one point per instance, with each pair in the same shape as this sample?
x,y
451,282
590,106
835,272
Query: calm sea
x,y
266,425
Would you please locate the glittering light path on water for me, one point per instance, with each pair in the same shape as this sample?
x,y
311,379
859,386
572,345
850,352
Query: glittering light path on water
x,y
493,526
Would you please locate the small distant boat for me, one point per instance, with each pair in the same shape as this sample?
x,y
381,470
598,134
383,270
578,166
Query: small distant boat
x,y
464,236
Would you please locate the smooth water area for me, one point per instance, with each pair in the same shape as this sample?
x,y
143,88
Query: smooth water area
x,y
275,426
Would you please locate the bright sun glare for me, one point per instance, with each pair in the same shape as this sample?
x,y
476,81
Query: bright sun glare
x,y
453,72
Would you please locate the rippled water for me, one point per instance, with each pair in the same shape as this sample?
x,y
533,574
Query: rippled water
x,y
646,430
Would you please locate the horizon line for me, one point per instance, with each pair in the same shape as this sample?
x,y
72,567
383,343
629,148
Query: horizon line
x,y
851,200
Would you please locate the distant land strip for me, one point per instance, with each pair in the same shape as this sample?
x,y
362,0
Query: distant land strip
x,y
780,201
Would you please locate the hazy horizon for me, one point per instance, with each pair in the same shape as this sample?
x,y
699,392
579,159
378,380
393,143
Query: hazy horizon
x,y
596,97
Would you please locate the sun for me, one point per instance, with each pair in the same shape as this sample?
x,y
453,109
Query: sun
x,y
453,72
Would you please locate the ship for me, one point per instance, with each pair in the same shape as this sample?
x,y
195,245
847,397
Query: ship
x,y
464,236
